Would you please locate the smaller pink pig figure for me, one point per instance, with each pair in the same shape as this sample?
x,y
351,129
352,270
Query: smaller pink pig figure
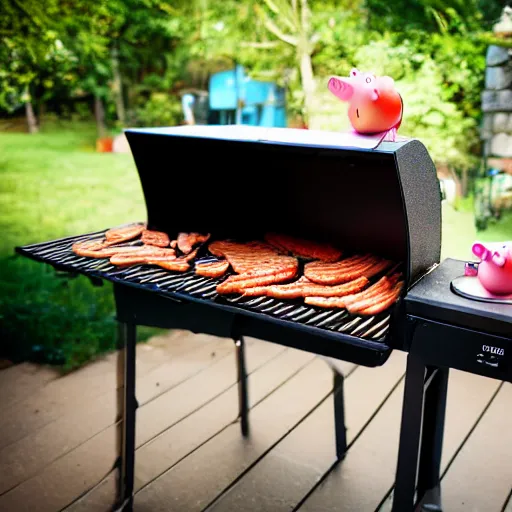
x,y
495,268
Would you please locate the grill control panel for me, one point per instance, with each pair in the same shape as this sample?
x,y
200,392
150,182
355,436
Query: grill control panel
x,y
446,345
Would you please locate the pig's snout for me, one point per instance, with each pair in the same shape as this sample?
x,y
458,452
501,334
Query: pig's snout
x,y
481,251
340,88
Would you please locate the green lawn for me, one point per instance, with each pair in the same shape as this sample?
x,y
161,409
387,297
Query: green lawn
x,y
459,232
54,184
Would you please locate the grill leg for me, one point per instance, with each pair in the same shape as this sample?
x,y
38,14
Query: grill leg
x,y
410,432
429,488
127,405
339,415
243,398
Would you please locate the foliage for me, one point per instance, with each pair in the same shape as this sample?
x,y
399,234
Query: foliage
x,y
76,49
159,110
31,55
52,185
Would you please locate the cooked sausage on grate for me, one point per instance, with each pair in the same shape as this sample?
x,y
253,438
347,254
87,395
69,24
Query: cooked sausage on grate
x,y
302,247
124,234
187,241
212,269
157,238
304,287
256,263
358,301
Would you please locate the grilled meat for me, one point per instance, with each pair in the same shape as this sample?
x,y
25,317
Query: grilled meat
x,y
305,248
157,238
304,287
384,301
124,234
367,267
165,258
384,289
256,264
262,268
358,302
322,266
238,286
180,264
212,269
99,249
176,266
187,241
142,256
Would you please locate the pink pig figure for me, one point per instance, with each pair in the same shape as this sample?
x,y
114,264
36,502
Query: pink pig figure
x,y
375,106
495,268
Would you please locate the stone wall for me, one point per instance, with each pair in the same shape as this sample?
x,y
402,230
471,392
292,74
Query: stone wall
x,y
497,97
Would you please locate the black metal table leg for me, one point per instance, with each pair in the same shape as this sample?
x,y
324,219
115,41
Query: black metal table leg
x,y
429,489
410,434
339,415
127,406
243,396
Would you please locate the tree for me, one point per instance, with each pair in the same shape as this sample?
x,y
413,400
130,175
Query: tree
x,y
80,48
27,53
290,22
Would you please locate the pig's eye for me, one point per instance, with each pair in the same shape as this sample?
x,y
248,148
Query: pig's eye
x,y
369,79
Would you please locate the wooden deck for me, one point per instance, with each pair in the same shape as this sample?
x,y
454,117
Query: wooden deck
x,y
58,435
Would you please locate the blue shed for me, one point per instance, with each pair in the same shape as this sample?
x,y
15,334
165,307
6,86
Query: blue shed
x,y
241,100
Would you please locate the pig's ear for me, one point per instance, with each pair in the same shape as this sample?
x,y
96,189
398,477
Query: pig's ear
x,y
385,82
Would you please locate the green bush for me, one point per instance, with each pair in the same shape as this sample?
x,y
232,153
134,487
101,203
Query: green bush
x,y
161,109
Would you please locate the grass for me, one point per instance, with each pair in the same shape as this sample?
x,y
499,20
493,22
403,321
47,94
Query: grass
x,y
498,231
54,184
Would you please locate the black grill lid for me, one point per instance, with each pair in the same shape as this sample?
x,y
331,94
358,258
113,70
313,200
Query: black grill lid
x,y
240,182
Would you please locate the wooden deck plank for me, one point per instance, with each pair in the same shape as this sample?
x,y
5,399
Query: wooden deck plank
x,y
59,396
64,479
168,448
508,506
481,476
288,473
468,395
20,381
80,469
158,415
99,499
360,481
24,458
228,455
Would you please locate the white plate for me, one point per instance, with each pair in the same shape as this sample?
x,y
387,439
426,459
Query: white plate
x,y
471,288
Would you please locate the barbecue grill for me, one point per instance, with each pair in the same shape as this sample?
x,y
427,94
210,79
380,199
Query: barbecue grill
x,y
384,201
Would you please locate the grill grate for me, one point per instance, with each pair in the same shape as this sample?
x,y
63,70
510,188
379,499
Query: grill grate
x,y
59,254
